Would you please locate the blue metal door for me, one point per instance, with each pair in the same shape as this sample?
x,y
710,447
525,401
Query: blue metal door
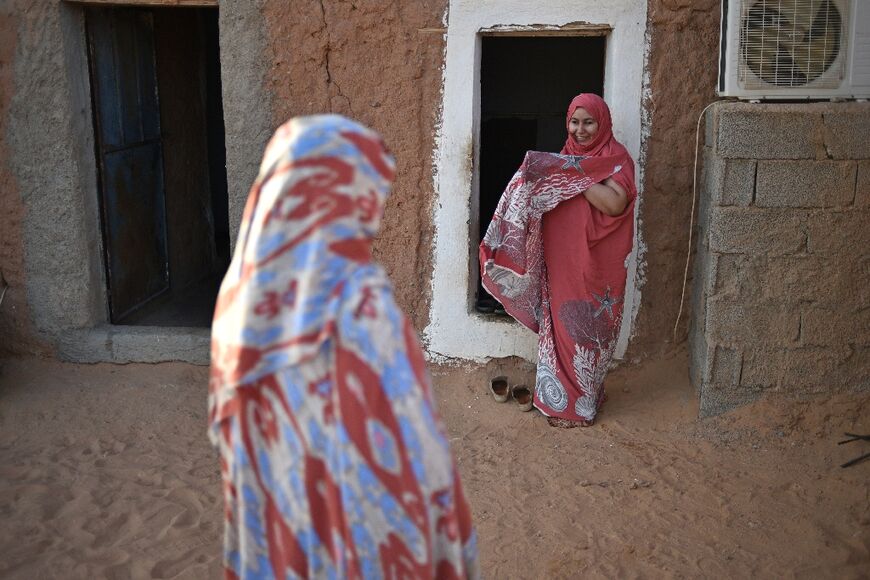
x,y
129,155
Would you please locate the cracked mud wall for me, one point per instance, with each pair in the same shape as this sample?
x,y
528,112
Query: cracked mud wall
x,y
371,62
380,63
683,67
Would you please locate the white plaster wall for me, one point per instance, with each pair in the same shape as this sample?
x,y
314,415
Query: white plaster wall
x,y
453,331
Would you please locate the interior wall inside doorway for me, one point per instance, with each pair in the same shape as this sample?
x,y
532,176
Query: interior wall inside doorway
x,y
526,84
193,151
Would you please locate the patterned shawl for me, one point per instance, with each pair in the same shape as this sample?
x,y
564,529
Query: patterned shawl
x,y
334,460
306,230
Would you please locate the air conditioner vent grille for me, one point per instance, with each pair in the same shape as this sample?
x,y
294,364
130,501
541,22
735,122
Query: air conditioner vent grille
x,y
791,43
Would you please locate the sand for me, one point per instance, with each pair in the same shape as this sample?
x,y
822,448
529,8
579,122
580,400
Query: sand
x,y
106,472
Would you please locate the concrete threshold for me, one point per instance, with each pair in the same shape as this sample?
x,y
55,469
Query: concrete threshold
x,y
135,344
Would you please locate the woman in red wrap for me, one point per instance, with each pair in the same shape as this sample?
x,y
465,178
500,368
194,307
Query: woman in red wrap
x,y
555,256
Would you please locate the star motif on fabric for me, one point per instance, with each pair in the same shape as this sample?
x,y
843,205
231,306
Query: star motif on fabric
x,y
606,302
573,161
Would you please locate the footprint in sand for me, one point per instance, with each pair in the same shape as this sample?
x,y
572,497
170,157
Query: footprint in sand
x,y
181,564
183,512
117,529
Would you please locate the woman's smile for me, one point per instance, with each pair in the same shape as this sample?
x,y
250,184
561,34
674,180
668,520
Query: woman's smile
x,y
582,126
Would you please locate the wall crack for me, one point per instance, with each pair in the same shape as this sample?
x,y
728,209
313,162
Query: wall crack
x,y
330,81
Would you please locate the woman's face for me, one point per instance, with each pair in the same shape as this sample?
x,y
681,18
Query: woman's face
x,y
582,126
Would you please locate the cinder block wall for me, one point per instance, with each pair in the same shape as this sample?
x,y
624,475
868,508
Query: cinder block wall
x,y
781,286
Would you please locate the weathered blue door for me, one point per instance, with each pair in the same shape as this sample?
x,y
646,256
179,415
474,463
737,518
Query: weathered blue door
x,y
130,159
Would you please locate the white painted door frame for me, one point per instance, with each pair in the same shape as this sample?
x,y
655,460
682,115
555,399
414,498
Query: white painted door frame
x,y
454,330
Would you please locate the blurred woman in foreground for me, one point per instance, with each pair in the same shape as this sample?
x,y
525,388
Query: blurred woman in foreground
x,y
334,461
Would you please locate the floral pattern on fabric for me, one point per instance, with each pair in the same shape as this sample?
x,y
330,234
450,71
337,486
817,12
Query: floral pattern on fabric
x,y
558,264
566,286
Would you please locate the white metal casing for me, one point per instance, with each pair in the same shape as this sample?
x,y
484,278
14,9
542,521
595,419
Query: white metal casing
x,y
847,77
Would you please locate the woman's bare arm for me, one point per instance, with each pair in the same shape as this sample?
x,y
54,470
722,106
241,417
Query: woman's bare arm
x,y
608,197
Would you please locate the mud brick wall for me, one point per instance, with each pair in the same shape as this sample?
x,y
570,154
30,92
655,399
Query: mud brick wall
x,y
781,289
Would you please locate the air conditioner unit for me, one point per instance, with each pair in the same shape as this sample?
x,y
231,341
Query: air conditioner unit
x,y
795,49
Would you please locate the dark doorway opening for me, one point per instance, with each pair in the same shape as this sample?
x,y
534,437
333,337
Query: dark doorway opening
x,y
158,119
526,83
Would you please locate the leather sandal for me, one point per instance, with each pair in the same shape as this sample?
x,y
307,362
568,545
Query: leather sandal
x,y
500,389
523,396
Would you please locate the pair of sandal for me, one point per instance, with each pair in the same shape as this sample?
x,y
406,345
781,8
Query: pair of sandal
x,y
502,391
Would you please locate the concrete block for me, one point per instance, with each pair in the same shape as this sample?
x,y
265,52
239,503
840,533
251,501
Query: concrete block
x,y
728,269
847,130
844,234
854,373
726,367
730,181
805,183
61,299
829,323
711,176
710,128
738,182
737,230
155,344
806,369
708,193
126,344
700,355
700,359
704,271
718,399
743,321
795,279
857,281
83,346
699,291
753,131
60,235
248,102
862,185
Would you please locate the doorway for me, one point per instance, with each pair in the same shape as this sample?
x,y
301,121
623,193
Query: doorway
x,y
158,121
526,83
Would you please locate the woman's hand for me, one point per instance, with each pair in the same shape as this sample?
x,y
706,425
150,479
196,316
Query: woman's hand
x,y
607,197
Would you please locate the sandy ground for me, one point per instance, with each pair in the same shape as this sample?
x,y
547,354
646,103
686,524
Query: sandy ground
x,y
106,472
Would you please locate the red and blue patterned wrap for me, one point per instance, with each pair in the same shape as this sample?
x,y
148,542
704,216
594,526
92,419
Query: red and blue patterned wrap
x,y
334,461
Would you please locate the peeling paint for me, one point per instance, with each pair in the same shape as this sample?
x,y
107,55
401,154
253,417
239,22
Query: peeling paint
x,y
637,259
577,28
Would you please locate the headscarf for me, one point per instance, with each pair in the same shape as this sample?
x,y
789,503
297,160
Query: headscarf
x,y
603,143
306,232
